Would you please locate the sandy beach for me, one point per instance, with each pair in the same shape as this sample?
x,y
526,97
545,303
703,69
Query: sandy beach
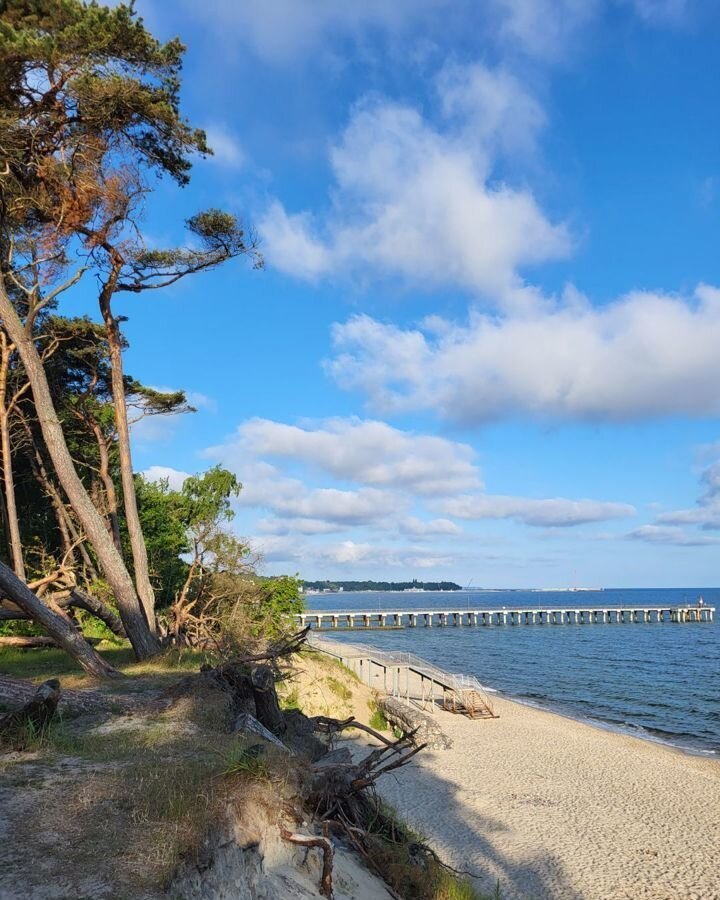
x,y
554,808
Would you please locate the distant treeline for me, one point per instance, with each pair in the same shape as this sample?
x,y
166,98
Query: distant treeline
x,y
381,585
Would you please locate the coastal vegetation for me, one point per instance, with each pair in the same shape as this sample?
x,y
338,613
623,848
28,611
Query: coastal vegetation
x,y
414,585
170,703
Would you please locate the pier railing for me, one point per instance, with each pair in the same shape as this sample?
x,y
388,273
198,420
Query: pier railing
x,y
455,689
577,615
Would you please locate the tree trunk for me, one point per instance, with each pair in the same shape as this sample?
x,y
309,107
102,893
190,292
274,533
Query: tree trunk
x,y
73,598
132,519
59,629
98,609
144,642
34,642
10,504
109,485
67,529
6,453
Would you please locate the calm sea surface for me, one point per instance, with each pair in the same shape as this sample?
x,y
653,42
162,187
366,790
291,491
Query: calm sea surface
x,y
660,681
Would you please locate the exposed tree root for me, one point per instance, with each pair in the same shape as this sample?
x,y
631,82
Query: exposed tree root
x,y
326,882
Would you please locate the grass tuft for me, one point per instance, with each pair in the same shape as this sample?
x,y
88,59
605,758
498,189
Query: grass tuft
x,y
377,717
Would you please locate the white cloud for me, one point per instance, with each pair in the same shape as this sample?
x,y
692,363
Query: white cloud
x,y
666,534
286,31
428,528
175,477
282,31
265,487
491,107
419,202
545,29
367,452
646,355
344,555
557,512
707,512
297,526
226,147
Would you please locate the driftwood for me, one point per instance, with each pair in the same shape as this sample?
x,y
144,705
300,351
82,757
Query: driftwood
x,y
304,840
32,720
251,726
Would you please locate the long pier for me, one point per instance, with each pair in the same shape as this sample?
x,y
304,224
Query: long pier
x,y
413,618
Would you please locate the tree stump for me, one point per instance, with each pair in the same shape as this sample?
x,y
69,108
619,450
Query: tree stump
x,y
25,725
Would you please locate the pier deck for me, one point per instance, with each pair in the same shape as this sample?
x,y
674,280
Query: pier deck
x,y
575,615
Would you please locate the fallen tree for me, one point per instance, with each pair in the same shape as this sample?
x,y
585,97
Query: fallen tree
x,y
56,623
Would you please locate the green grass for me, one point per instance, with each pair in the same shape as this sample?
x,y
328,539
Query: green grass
x,y
291,700
395,851
243,760
338,688
50,662
377,717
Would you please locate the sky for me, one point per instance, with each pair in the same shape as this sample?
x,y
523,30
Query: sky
x,y
485,345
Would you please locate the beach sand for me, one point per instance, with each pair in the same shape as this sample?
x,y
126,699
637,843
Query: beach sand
x,y
555,808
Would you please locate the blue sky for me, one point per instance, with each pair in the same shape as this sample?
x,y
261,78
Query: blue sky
x,y
486,343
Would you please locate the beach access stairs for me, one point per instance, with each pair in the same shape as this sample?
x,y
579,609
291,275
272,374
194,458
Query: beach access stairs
x,y
408,677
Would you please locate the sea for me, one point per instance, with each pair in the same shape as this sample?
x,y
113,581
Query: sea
x,y
657,681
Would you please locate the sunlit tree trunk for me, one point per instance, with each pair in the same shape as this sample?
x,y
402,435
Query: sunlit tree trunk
x,y
7,468
143,640
109,486
132,519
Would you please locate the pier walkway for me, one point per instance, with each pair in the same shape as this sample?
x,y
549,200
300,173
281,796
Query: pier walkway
x,y
410,678
412,618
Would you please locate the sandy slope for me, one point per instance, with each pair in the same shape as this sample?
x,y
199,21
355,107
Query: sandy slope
x,y
555,808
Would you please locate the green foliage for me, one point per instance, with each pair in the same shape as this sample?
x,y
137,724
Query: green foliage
x,y
208,497
377,717
281,597
163,517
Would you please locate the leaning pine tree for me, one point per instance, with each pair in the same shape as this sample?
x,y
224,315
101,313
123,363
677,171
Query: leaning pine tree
x,y
88,106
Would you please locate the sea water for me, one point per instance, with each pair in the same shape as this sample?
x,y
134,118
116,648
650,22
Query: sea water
x,y
660,681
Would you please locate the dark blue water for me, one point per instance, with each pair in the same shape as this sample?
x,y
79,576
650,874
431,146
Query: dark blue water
x,y
660,681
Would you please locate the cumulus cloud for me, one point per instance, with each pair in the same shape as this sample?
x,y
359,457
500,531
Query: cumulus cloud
x,y
558,512
707,512
175,477
341,555
418,202
428,527
647,355
367,452
490,106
